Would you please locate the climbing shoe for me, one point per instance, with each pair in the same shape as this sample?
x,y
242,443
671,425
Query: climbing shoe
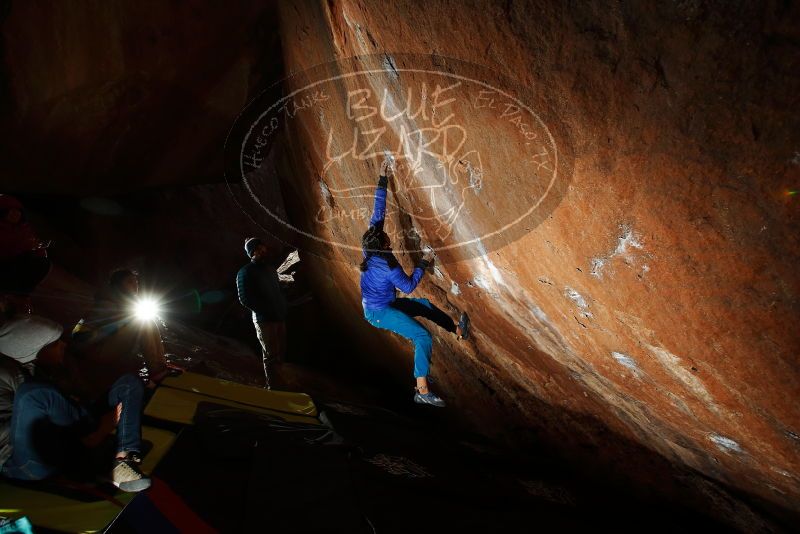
x,y
127,477
463,325
429,398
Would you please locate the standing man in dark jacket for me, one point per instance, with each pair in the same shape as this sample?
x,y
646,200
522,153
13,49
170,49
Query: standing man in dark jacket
x,y
260,291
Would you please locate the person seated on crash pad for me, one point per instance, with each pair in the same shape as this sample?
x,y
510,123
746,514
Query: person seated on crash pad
x,y
54,417
113,336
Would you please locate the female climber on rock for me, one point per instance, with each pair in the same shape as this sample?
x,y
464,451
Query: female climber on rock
x,y
381,275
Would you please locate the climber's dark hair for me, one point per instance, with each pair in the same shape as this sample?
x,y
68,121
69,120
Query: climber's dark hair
x,y
373,244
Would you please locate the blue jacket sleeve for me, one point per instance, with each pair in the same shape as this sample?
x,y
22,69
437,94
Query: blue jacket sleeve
x,y
379,210
406,283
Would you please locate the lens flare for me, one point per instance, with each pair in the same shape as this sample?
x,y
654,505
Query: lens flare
x,y
146,309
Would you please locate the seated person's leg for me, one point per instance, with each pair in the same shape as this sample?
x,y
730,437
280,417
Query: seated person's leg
x,y
149,339
46,428
128,391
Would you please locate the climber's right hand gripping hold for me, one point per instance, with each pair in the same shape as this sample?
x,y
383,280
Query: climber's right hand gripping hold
x,y
387,167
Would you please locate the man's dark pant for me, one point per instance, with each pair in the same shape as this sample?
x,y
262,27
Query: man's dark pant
x,y
47,426
272,337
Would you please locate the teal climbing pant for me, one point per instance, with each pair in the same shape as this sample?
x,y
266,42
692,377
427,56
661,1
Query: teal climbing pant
x,y
399,318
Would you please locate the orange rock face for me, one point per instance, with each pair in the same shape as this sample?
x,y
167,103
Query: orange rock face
x,y
629,255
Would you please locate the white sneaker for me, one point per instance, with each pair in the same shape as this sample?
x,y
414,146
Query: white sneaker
x,y
127,477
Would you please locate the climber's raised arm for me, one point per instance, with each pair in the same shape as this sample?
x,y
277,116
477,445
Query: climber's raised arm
x,y
379,210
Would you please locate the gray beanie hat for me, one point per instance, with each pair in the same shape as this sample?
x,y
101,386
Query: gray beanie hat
x,y
23,337
250,245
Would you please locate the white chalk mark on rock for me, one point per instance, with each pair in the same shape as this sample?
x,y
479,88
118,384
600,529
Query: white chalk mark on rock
x,y
674,365
725,444
579,301
627,239
326,193
482,283
782,472
454,289
488,278
626,243
626,361
390,67
494,271
597,267
540,315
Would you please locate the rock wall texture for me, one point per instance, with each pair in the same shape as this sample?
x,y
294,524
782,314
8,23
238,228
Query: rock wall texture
x,y
656,304
107,97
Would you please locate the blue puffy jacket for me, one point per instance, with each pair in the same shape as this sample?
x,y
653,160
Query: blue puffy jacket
x,y
379,281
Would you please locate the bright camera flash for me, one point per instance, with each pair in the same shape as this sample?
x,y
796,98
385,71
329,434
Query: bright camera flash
x,y
146,309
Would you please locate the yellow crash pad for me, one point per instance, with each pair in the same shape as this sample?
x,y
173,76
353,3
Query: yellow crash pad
x,y
281,401
180,406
